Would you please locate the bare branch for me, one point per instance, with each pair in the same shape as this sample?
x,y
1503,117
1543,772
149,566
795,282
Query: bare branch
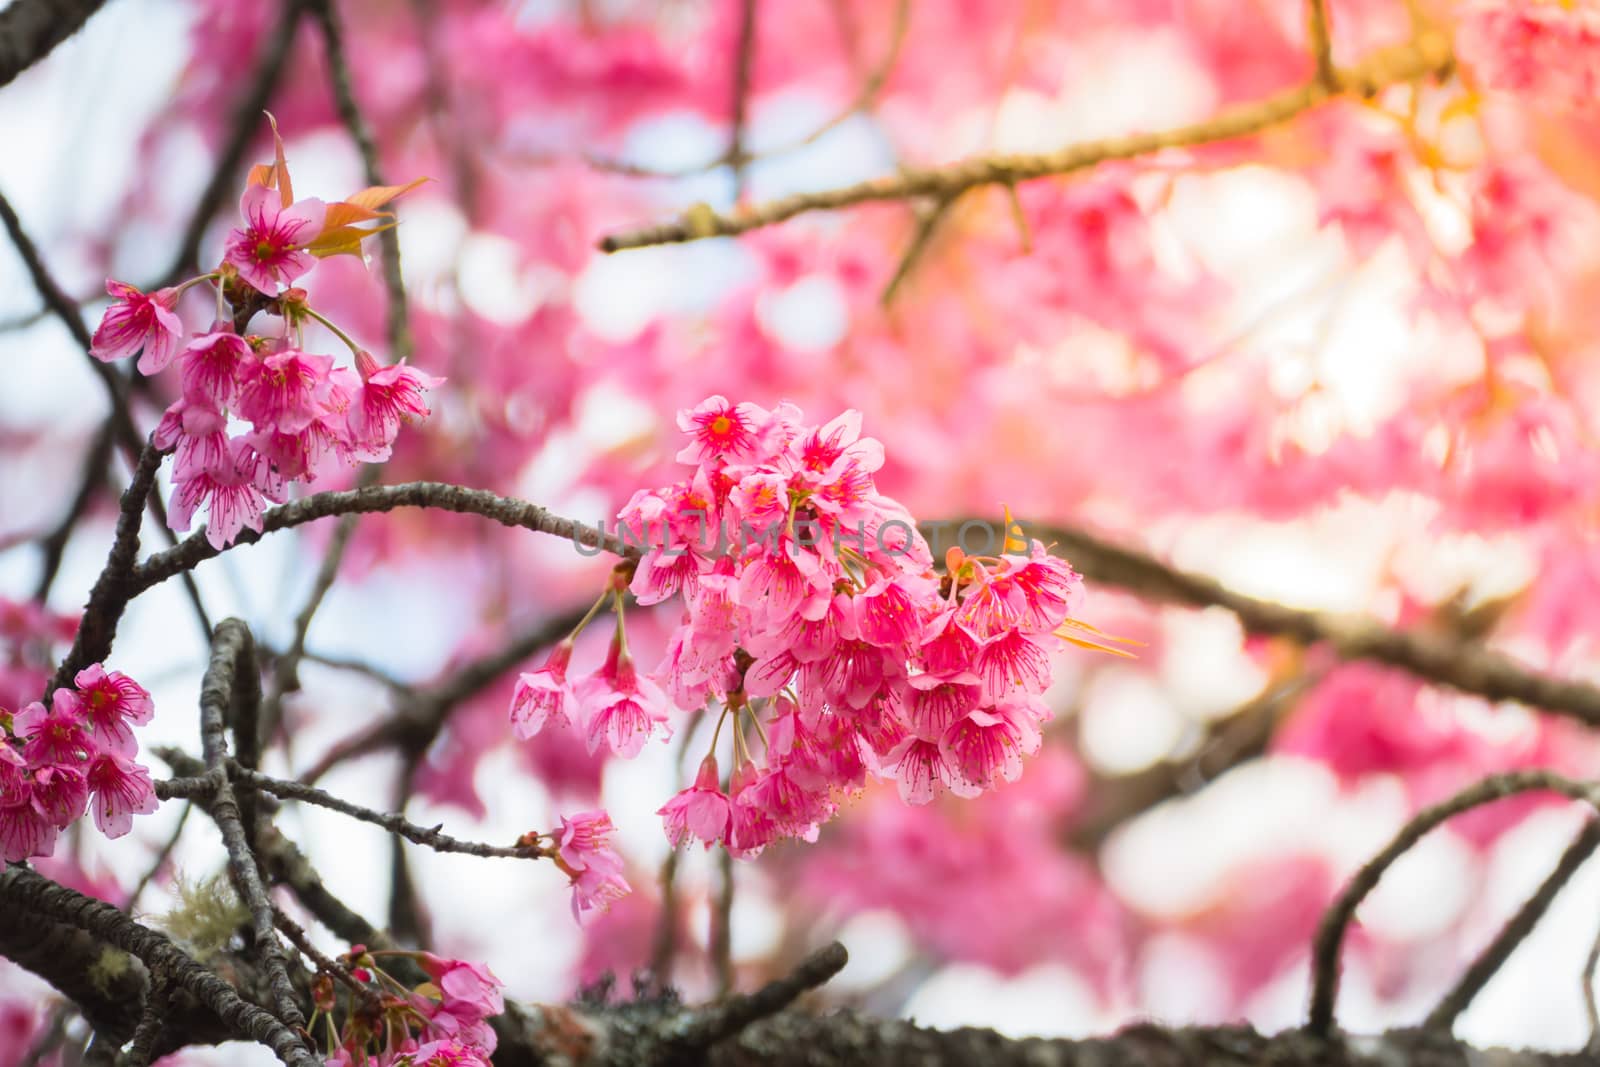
x,y
233,658
743,62
307,794
1330,932
1516,930
728,1017
30,30
507,511
1462,665
1428,56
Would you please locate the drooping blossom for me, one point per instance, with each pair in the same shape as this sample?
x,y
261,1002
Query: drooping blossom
x,y
139,323
585,853
388,397
544,696
700,811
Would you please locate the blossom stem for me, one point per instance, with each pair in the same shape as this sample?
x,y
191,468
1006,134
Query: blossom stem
x,y
309,310
589,616
717,733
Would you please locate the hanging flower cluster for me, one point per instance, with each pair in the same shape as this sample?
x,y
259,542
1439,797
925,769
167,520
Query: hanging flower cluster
x,y
441,1023
303,411
813,614
78,753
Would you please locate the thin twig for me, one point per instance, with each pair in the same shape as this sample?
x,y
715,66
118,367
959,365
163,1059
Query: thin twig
x,y
395,823
151,1021
423,714
286,666
326,964
1450,661
1325,951
53,546
928,220
1516,930
1592,1046
1427,56
50,1039
159,862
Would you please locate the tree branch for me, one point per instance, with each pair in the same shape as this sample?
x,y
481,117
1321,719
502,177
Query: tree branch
x,y
57,933
508,511
233,657
1325,949
394,823
30,30
1427,56
111,593
1516,929
1461,665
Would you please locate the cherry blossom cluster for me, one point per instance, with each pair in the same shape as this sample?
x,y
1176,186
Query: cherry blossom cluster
x,y
823,626
441,1023
303,412
78,753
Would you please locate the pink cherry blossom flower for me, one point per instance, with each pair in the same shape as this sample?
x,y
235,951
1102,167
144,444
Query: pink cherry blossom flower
x,y
467,987
388,397
700,811
544,696
139,322
447,1053
596,889
56,735
111,703
981,749
585,853
890,612
936,702
622,708
1013,660
24,831
212,365
751,827
285,391
121,789
60,794
720,430
270,249
197,431
586,838
233,499
919,767
761,500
